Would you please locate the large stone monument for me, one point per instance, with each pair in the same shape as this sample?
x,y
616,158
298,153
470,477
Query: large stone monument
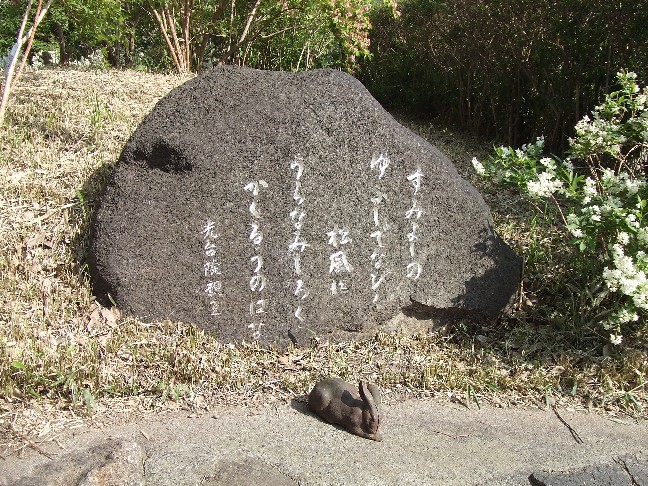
x,y
277,206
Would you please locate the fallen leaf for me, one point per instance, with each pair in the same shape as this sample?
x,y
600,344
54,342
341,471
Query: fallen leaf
x,y
109,316
35,240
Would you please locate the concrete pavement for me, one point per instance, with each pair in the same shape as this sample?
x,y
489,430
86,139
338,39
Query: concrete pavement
x,y
425,442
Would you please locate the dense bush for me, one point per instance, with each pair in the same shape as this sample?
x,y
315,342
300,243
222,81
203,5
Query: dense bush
x,y
506,69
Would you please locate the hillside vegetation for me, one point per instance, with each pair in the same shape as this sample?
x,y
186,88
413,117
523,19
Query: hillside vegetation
x,y
61,354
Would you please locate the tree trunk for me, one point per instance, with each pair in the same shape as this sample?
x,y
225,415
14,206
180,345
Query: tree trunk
x,y
114,54
64,55
21,39
164,29
199,55
129,52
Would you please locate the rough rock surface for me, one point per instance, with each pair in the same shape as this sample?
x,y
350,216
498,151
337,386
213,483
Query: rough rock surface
x,y
109,463
627,470
277,206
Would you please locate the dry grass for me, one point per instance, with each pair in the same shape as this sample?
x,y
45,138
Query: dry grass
x,y
63,357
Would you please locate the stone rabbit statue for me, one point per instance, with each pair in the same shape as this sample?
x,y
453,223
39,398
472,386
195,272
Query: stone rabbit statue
x,y
340,403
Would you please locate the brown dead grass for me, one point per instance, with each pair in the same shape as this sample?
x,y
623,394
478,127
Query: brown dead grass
x,y
63,358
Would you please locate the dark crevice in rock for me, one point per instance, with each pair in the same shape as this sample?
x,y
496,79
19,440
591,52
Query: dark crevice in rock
x,y
165,157
621,461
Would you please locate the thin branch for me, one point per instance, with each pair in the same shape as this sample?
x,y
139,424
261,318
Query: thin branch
x,y
452,436
186,25
269,36
163,28
29,42
15,50
30,443
248,23
574,434
560,211
174,37
200,54
250,18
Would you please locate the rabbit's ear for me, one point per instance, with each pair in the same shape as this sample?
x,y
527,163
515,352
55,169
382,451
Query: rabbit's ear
x,y
368,395
375,393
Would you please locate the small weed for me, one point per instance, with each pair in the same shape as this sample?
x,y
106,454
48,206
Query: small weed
x,y
471,394
547,397
82,204
100,115
632,402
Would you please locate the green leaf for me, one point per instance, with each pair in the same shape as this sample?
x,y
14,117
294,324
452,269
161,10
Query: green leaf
x,y
89,400
18,365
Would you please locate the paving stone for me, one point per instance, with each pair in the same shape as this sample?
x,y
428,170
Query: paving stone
x,y
246,472
613,474
109,463
636,465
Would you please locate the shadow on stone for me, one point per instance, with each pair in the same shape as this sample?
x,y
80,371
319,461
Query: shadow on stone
x,y
80,244
246,472
109,462
492,292
300,404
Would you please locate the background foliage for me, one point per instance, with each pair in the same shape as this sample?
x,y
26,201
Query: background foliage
x,y
282,35
510,70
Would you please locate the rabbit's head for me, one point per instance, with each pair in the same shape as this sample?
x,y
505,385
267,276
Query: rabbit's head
x,y
371,414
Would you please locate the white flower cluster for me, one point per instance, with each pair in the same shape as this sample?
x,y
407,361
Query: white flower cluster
x,y
574,225
607,212
621,183
589,190
619,121
545,185
478,166
43,58
628,275
95,59
621,317
615,203
625,315
598,135
642,235
547,182
40,59
615,207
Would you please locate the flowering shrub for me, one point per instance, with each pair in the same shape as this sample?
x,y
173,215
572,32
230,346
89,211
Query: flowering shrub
x,y
618,130
95,60
602,203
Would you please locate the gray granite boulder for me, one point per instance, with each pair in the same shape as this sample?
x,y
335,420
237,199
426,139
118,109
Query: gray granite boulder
x,y
278,206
